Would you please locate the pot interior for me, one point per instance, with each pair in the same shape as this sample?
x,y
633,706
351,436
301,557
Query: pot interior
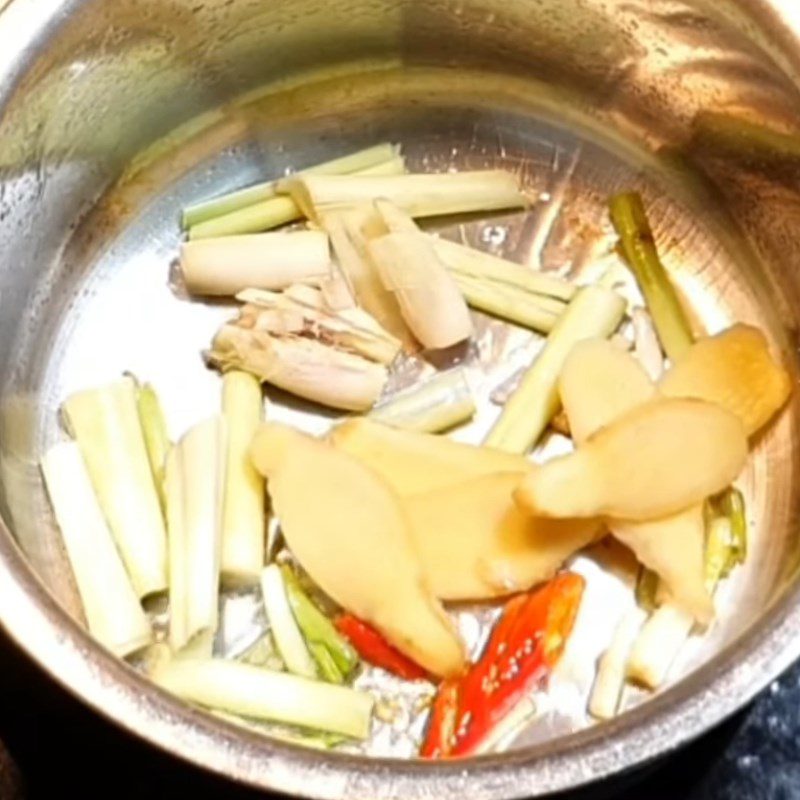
x,y
119,113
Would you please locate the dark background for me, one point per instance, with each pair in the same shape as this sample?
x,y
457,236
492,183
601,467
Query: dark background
x,y
59,749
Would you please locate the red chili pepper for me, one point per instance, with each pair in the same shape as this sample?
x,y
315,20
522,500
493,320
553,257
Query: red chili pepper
x,y
524,646
442,725
372,647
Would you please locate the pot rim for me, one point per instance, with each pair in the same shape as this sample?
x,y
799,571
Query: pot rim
x,y
46,633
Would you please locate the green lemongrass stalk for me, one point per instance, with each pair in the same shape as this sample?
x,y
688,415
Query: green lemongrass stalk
x,y
275,696
228,265
429,299
439,404
276,211
302,310
301,366
669,627
508,302
195,480
594,311
638,248
105,423
731,504
611,669
420,195
243,520
285,631
113,613
219,206
335,658
156,437
474,263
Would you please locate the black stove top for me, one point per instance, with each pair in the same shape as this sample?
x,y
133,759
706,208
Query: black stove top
x,y
56,745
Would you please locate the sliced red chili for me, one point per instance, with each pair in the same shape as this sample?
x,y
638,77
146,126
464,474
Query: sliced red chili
x,y
372,647
524,646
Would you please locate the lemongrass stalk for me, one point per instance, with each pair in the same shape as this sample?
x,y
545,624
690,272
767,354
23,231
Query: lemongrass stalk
x,y
243,520
335,658
301,366
508,302
419,195
731,504
429,299
594,311
275,696
195,480
263,261
275,211
113,613
156,437
105,423
302,310
638,248
464,260
233,201
439,404
611,669
285,632
350,248
658,644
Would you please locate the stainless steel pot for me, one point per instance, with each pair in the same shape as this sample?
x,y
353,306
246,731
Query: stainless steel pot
x,y
115,112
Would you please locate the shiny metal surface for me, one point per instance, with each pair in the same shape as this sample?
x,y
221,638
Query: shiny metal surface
x,y
113,113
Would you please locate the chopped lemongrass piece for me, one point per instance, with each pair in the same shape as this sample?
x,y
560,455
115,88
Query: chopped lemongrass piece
x,y
275,211
474,263
113,613
344,226
420,195
611,669
503,300
301,310
284,629
105,423
195,480
657,645
335,658
156,437
731,504
354,162
429,299
637,246
243,522
228,265
261,694
594,311
435,406
301,366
